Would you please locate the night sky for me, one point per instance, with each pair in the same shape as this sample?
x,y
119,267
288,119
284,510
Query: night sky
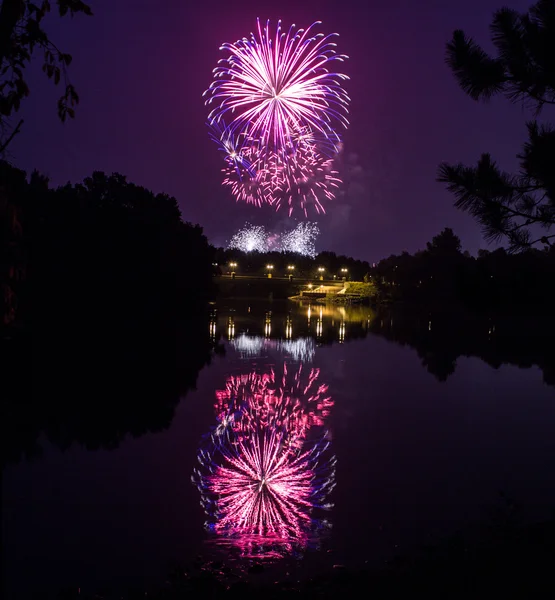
x,y
140,67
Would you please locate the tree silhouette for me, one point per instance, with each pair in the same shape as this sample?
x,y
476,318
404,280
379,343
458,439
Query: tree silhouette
x,y
442,275
21,35
445,243
115,301
519,207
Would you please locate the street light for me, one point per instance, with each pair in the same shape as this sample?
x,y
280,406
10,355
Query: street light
x,y
269,267
321,271
290,268
344,272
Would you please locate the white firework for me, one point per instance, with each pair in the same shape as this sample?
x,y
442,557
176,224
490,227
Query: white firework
x,y
301,239
254,346
250,238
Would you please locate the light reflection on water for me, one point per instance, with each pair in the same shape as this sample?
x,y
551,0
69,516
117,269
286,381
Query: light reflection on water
x,y
266,468
253,334
244,511
428,424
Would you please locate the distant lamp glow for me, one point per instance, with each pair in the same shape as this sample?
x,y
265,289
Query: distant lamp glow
x,y
342,332
291,267
230,329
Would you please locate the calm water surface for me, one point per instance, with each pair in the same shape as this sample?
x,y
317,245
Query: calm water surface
x,y
416,458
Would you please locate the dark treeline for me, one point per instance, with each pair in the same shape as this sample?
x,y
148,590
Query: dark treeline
x,y
444,276
440,338
112,288
255,263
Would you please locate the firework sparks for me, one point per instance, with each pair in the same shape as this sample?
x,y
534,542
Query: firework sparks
x,y
264,473
301,239
275,85
286,104
305,181
250,238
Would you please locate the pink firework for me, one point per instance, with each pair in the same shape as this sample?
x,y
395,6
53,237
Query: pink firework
x,y
264,489
285,102
275,85
305,178
247,179
295,399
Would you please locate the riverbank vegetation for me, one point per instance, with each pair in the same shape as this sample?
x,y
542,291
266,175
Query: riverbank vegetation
x,y
102,282
326,265
443,275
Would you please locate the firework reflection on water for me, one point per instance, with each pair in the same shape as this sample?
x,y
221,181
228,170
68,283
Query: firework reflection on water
x,y
252,346
266,470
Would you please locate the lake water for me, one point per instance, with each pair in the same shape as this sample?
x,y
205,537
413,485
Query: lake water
x,y
413,444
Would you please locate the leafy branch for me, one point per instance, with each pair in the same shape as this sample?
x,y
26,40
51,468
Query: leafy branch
x,y
21,35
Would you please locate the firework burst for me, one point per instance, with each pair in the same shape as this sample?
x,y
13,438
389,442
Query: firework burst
x,y
275,85
301,239
285,104
250,238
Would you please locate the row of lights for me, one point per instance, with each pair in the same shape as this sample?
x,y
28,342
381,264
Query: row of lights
x,y
290,267
288,327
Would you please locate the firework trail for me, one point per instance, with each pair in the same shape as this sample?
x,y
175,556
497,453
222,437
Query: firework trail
x,y
265,469
273,86
285,104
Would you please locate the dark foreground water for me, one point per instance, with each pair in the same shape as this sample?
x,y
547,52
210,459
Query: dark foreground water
x,y
419,435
